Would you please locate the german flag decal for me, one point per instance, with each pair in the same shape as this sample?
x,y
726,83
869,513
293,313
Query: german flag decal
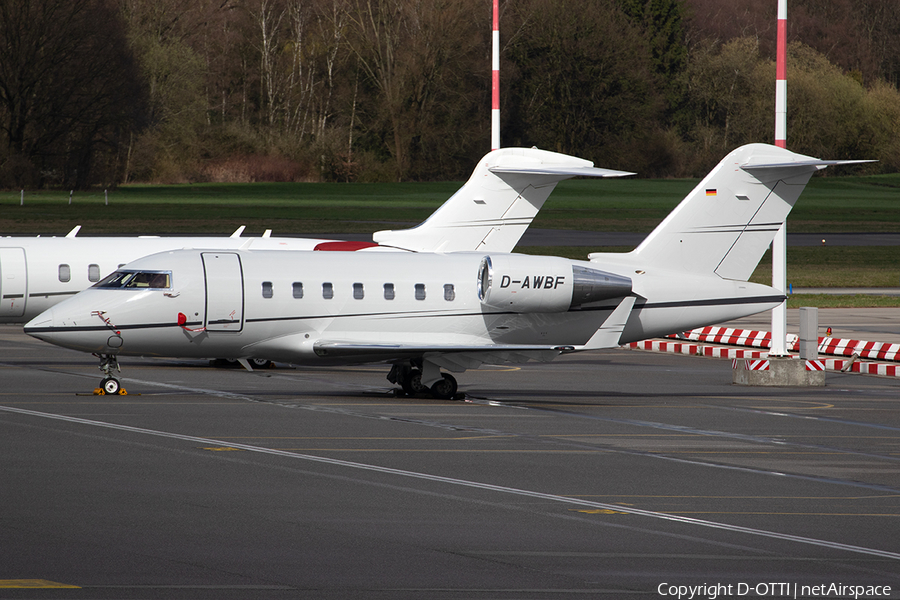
x,y
711,192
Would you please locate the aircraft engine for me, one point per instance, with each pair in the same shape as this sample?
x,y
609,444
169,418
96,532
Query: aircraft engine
x,y
528,284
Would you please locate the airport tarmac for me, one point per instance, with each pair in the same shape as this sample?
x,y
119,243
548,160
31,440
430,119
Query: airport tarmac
x,y
610,474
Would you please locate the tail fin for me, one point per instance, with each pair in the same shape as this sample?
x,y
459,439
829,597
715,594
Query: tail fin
x,y
495,207
728,221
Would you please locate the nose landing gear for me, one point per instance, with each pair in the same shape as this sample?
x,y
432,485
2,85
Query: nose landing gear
x,y
110,384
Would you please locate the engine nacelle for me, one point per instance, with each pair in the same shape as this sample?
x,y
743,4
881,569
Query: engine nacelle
x,y
544,284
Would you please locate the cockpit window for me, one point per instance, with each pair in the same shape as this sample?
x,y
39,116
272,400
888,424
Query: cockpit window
x,y
137,280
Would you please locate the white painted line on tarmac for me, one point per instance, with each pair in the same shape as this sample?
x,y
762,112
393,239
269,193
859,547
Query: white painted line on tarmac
x,y
469,484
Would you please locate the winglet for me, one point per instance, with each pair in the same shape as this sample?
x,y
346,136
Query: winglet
x,y
607,336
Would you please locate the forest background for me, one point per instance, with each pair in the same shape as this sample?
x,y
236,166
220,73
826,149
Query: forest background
x,y
102,92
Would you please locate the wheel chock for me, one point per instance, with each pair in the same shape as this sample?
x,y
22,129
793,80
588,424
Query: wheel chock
x,y
101,392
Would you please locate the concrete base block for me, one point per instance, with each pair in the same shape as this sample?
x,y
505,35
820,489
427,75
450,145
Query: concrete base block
x,y
781,372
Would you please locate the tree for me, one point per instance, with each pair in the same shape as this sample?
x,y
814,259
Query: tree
x,y
165,36
411,53
582,81
59,105
830,114
721,85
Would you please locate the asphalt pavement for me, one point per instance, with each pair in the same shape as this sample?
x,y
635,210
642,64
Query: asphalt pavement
x,y
609,474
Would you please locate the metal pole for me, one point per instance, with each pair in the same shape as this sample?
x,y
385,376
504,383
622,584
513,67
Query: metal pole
x,y
779,244
781,78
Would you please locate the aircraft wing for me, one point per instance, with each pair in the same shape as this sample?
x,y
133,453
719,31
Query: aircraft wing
x,y
460,357
456,358
496,205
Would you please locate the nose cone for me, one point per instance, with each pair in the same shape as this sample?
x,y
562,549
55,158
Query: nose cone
x,y
41,325
72,324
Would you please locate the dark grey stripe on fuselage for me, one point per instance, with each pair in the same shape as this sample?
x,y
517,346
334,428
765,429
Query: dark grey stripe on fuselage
x,y
406,315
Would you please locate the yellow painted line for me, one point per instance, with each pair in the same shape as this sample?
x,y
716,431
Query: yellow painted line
x,y
696,435
369,439
724,512
767,513
222,449
704,497
755,452
439,450
35,584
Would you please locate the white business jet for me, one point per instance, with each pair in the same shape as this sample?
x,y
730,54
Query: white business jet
x,y
454,310
37,272
487,213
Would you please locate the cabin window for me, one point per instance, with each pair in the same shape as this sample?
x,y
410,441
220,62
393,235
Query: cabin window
x,y
327,291
65,273
389,291
449,292
94,273
297,288
420,291
267,289
136,280
358,292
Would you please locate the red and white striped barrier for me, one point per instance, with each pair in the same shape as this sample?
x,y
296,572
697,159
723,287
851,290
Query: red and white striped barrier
x,y
763,339
695,349
763,365
727,335
858,349
736,337
873,350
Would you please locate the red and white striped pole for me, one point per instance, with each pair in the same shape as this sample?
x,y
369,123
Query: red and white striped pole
x,y
495,80
781,78
779,243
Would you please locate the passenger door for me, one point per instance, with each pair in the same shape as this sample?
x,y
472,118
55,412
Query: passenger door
x,y
224,291
13,282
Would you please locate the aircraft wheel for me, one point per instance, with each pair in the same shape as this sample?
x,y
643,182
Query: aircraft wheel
x,y
412,383
445,389
260,363
110,386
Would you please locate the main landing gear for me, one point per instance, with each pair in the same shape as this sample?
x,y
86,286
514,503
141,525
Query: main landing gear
x,y
409,377
110,384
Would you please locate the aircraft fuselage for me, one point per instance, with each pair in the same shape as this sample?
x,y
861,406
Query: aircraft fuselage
x,y
290,306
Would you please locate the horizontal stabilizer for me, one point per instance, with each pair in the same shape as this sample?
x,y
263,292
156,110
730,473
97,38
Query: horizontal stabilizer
x,y
803,163
566,172
496,205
